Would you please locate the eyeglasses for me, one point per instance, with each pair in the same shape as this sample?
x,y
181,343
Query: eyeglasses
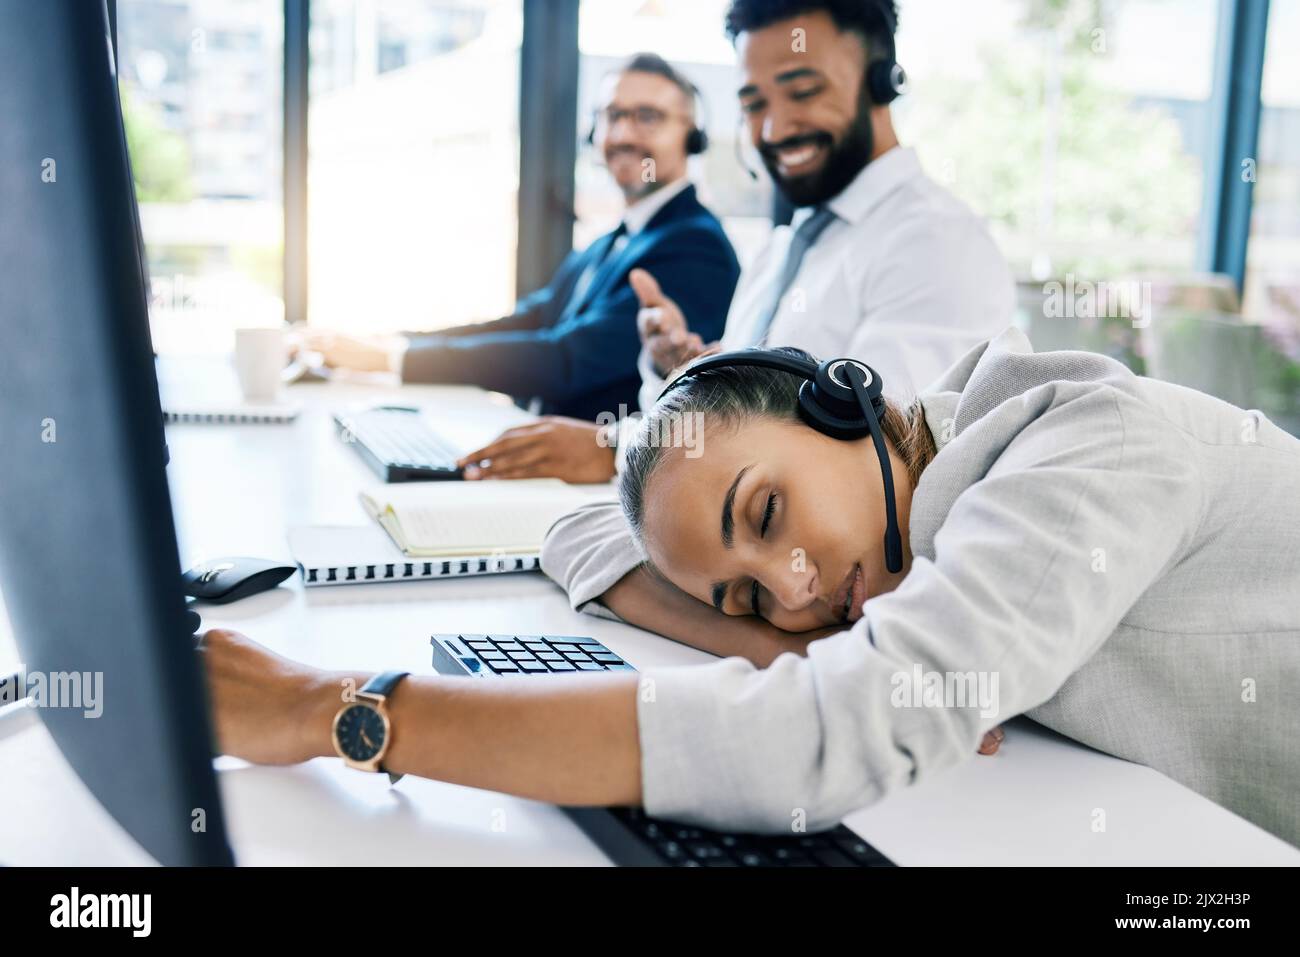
x,y
645,118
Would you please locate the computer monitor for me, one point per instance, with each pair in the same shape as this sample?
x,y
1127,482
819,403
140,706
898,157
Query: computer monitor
x,y
88,558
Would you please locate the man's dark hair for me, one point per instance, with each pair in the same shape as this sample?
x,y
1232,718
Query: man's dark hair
x,y
867,18
656,65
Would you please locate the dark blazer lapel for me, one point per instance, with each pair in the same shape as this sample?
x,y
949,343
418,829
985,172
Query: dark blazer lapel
x,y
680,205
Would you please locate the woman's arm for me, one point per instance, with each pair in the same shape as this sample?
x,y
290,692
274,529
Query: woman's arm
x,y
567,739
644,599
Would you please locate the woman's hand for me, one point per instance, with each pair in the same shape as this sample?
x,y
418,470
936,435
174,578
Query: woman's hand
x,y
992,741
265,708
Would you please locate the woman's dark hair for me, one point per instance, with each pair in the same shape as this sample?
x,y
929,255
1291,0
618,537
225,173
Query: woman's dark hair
x,y
728,398
867,18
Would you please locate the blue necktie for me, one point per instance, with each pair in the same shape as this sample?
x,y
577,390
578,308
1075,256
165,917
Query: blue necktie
x,y
804,237
588,275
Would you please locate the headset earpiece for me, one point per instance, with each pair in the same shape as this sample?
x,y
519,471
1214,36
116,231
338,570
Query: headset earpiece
x,y
829,404
886,81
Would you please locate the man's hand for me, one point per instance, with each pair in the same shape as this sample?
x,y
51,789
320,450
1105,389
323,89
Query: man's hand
x,y
265,708
552,447
339,351
662,326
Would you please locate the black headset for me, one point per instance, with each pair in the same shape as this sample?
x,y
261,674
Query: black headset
x,y
886,79
840,398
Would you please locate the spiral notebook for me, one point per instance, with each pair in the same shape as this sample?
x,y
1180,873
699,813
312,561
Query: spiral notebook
x,y
231,414
451,519
357,554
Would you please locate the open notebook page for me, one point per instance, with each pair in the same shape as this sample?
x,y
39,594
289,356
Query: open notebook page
x,y
475,518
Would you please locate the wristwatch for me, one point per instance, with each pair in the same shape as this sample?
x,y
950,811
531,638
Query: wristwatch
x,y
362,730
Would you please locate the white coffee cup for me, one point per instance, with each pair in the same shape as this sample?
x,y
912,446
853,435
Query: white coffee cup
x,y
260,357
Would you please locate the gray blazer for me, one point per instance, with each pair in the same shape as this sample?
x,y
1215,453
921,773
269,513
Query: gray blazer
x,y
1116,557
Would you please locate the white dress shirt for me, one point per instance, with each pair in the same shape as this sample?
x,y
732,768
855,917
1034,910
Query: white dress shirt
x,y
639,214
906,279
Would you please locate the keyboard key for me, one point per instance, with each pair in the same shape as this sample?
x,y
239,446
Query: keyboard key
x,y
588,666
787,856
671,850
532,666
549,656
856,848
704,850
560,666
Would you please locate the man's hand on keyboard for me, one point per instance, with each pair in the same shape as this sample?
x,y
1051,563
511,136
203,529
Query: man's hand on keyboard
x,y
552,447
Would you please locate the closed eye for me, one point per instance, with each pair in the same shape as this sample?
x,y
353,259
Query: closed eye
x,y
768,511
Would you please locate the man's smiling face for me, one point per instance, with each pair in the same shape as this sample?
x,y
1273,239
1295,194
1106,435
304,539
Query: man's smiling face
x,y
806,105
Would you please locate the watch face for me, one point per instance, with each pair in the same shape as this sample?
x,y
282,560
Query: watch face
x,y
360,732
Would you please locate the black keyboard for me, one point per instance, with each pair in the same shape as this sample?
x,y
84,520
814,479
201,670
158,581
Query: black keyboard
x,y
627,835
632,839
398,444
511,655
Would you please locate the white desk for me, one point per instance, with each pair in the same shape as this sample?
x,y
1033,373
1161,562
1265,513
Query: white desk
x,y
236,488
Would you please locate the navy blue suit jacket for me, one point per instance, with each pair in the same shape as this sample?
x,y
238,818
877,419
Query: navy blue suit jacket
x,y
579,355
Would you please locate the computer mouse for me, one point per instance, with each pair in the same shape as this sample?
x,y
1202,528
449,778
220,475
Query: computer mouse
x,y
229,579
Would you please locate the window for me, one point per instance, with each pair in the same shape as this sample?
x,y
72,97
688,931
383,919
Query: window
x,y
200,82
1077,128
689,34
9,657
413,162
1272,292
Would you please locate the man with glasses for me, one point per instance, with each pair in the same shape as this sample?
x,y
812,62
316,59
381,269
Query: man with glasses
x,y
570,349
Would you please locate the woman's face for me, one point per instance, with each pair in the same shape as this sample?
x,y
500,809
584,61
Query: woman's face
x,y
777,519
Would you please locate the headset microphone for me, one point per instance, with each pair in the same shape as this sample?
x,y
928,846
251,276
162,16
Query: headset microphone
x,y
740,156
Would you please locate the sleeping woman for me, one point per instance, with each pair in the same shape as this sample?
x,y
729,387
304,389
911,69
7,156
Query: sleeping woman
x,y
1118,558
